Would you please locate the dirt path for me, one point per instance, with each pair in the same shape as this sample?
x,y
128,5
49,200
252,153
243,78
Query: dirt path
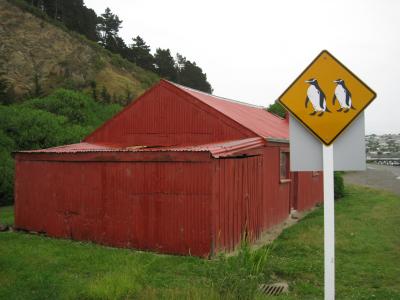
x,y
377,176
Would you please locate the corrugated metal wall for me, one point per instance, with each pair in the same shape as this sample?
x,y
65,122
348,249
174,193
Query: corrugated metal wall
x,y
237,201
194,206
160,206
310,190
162,117
276,194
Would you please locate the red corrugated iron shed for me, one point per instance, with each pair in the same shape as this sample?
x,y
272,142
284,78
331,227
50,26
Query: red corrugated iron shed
x,y
177,171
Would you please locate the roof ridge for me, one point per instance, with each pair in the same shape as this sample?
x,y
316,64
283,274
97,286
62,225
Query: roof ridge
x,y
215,96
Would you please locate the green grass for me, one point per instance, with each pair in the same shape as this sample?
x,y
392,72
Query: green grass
x,y
367,249
367,261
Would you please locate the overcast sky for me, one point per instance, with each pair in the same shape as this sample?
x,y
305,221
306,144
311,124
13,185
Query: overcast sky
x,y
253,50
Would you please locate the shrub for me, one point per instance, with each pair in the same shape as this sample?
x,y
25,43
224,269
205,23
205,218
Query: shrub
x,y
6,178
64,117
277,109
6,169
72,105
77,107
338,185
31,128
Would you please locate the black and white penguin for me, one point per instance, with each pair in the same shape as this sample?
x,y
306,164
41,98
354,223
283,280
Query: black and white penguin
x,y
317,98
343,95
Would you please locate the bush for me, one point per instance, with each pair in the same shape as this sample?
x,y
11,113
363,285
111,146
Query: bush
x,y
72,105
64,117
6,178
277,109
31,128
77,107
238,277
338,185
6,169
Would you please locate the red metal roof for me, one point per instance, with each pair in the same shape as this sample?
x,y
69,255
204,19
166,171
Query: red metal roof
x,y
253,117
216,149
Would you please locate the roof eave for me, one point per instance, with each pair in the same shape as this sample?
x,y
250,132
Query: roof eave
x,y
277,140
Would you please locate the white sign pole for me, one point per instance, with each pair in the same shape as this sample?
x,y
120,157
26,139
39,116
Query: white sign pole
x,y
329,222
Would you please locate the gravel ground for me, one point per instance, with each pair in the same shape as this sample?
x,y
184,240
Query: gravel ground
x,y
376,176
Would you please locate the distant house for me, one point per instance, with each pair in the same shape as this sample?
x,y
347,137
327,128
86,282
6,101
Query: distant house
x,y
177,171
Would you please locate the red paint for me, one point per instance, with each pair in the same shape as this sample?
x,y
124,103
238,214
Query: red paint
x,y
220,149
309,189
169,114
206,177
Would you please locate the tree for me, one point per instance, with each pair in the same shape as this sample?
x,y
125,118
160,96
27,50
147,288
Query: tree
x,y
52,8
165,64
277,109
117,45
108,27
88,24
189,74
141,54
73,13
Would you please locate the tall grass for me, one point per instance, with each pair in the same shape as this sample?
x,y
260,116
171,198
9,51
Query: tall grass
x,y
238,277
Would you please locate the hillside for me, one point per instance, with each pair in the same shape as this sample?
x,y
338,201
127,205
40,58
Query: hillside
x,y
37,57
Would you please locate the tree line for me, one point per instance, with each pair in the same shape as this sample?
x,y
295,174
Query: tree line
x,y
104,29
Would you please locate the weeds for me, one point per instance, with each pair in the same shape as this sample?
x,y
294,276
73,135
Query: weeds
x,y
239,276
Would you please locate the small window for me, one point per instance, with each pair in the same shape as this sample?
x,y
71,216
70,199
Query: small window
x,y
284,166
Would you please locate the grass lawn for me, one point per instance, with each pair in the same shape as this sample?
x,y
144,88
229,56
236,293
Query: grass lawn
x,y
367,261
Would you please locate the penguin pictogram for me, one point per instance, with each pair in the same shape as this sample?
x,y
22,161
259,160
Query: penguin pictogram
x,y
343,95
316,96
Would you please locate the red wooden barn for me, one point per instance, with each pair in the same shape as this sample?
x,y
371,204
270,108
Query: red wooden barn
x,y
177,171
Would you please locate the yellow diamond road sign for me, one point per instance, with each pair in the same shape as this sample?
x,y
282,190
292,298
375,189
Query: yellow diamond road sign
x,y
327,97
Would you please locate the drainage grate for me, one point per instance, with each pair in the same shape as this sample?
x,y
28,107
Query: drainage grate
x,y
274,289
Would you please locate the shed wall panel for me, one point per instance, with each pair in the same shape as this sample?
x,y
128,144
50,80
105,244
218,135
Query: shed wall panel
x,y
310,190
238,197
276,194
161,206
163,118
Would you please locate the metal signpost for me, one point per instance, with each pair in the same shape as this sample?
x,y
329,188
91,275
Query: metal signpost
x,y
326,98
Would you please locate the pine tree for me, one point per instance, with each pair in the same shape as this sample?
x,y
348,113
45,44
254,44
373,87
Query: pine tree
x,y
191,75
165,64
108,27
141,54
